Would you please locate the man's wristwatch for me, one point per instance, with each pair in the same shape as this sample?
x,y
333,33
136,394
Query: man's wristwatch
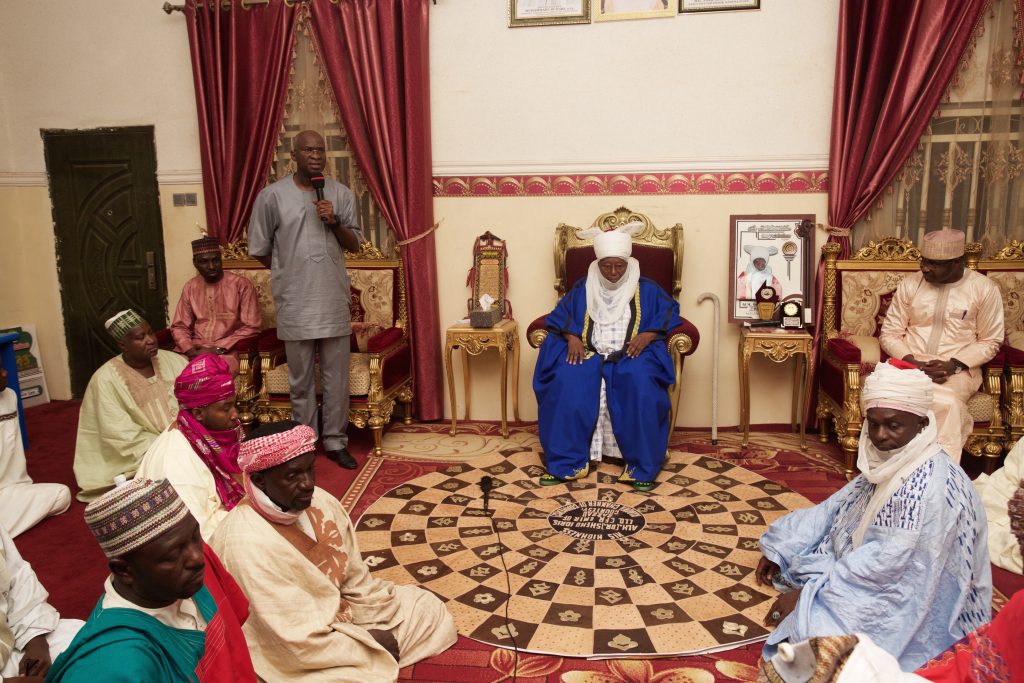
x,y
958,367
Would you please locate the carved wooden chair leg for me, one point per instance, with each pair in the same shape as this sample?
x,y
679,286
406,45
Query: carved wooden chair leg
x,y
821,412
405,396
376,423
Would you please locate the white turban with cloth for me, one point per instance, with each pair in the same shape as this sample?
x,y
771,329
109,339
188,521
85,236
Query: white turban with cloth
x,y
758,277
607,301
896,385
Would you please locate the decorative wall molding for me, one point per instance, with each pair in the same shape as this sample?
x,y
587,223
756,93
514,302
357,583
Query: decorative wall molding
x,y
189,176
15,179
718,164
695,183
39,178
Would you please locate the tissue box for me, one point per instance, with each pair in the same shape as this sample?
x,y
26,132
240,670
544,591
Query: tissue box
x,y
478,318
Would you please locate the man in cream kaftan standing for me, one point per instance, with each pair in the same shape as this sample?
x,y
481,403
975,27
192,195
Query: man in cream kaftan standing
x,y
948,321
317,613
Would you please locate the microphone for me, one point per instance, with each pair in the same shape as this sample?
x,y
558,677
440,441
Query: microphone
x,y
486,484
318,182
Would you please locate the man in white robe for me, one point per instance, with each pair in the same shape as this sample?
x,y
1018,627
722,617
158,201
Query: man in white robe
x,y
129,401
996,491
948,321
198,453
32,633
899,553
23,504
317,612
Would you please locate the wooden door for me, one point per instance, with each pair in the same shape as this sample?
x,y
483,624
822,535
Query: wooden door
x,y
110,253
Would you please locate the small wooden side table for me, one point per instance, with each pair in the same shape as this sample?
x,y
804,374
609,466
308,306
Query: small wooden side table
x,y
778,346
473,341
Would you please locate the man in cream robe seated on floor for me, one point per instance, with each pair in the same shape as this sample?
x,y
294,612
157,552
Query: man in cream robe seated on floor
x,y
948,321
1001,491
198,453
23,504
32,634
129,401
317,613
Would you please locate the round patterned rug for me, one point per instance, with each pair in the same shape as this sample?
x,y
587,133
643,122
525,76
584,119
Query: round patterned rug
x,y
596,569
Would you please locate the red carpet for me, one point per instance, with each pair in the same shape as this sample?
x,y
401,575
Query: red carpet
x,y
71,566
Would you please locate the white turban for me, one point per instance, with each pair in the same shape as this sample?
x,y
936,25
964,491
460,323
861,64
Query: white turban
x,y
906,389
757,252
617,242
608,301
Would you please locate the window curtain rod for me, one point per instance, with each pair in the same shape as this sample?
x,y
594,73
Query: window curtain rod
x,y
226,4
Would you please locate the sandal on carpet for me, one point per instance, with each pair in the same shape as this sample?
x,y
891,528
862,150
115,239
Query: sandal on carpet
x,y
643,486
549,480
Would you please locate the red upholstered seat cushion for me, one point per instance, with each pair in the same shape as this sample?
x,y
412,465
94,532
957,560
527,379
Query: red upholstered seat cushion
x,y
1014,357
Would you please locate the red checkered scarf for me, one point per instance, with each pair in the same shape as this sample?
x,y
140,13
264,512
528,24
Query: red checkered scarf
x,y
265,452
205,380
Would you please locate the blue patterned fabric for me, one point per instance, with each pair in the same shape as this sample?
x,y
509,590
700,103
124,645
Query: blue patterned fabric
x,y
919,582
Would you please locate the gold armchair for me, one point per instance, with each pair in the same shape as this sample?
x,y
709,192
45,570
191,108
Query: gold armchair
x,y
660,253
857,295
380,365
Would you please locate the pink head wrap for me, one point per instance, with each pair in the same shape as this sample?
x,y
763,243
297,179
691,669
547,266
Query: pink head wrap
x,y
205,380
265,452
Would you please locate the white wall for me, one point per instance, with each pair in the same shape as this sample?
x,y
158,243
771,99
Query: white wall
x,y
741,91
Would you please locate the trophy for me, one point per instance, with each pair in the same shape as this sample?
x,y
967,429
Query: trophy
x,y
767,298
792,317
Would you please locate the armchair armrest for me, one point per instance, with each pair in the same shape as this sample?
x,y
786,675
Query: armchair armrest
x,y
248,345
1014,356
1002,358
537,332
683,338
844,350
268,341
382,341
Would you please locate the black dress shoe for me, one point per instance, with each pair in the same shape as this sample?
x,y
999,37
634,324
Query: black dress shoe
x,y
343,458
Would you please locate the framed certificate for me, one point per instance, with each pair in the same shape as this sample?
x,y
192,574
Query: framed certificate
x,y
693,6
548,12
772,250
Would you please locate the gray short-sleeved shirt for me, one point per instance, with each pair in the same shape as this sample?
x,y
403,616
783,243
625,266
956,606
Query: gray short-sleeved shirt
x,y
311,288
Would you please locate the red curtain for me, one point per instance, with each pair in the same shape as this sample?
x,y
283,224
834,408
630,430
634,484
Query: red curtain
x,y
240,62
894,61
375,53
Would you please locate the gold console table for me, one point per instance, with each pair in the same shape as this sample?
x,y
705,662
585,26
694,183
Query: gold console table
x,y
778,347
473,341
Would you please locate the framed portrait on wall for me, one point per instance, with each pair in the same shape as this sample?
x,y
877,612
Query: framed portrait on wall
x,y
693,6
548,12
774,251
616,10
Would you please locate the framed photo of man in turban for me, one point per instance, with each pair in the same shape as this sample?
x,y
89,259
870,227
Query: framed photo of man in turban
x,y
769,251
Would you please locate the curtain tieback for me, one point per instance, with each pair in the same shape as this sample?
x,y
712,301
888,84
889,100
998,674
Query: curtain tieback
x,y
420,236
833,231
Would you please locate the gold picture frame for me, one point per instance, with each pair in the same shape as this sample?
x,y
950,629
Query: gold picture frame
x,y
547,12
698,6
619,10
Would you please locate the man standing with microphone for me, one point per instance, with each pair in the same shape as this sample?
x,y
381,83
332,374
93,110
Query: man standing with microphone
x,y
299,227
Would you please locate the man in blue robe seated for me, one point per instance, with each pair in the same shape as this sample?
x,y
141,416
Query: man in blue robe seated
x,y
601,384
899,553
170,612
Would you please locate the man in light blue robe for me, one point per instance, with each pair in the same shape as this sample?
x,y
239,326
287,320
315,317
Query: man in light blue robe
x,y
899,553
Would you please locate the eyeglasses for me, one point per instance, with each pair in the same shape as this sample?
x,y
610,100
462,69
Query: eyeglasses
x,y
312,150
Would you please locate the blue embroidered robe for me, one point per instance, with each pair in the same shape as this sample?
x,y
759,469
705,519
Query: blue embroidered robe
x,y
918,583
568,396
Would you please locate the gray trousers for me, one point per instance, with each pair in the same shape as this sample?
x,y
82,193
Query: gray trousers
x,y
334,354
